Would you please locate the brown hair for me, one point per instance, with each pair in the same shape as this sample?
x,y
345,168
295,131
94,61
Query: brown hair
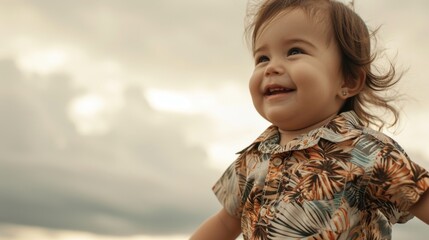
x,y
354,41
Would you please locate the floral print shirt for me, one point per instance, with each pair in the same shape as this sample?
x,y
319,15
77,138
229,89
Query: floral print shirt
x,y
340,181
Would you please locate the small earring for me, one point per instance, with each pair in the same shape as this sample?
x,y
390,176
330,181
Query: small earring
x,y
344,92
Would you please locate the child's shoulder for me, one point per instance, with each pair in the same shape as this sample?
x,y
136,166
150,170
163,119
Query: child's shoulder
x,y
380,137
380,140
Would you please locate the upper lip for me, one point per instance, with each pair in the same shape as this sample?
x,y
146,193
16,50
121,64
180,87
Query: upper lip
x,y
272,88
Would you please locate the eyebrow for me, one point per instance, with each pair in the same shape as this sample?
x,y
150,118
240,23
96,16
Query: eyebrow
x,y
259,49
287,42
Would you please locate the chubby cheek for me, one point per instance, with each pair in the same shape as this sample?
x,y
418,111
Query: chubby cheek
x,y
255,86
255,93
304,73
311,79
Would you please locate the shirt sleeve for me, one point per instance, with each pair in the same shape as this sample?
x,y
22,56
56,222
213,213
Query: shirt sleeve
x,y
397,183
228,191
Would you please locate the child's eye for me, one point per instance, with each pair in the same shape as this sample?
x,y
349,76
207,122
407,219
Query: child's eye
x,y
262,58
294,51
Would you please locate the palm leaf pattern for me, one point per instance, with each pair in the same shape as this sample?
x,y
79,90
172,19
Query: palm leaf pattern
x,y
296,221
341,181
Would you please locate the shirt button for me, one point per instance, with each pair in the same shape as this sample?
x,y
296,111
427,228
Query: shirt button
x,y
277,162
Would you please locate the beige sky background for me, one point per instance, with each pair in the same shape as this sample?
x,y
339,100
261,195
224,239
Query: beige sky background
x,y
117,116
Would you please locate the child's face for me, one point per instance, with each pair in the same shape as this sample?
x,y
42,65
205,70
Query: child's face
x,y
297,78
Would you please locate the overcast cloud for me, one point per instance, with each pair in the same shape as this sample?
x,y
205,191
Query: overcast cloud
x,y
117,116
141,177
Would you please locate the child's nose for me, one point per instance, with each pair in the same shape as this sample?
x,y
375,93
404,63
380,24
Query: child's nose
x,y
274,67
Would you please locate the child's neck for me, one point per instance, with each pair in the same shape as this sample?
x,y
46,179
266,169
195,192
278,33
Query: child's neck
x,y
288,135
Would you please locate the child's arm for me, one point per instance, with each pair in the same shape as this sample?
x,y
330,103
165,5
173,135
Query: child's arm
x,y
421,208
221,226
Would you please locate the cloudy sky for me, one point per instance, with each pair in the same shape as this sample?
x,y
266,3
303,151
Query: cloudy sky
x,y
117,116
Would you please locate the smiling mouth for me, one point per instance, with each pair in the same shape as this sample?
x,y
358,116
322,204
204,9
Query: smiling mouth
x,y
277,90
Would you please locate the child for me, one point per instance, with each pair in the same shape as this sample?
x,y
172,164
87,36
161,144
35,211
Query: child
x,y
319,172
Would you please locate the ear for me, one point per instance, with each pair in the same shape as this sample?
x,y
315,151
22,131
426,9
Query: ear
x,y
351,87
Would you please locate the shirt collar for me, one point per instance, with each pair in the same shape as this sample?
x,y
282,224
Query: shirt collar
x,y
343,127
